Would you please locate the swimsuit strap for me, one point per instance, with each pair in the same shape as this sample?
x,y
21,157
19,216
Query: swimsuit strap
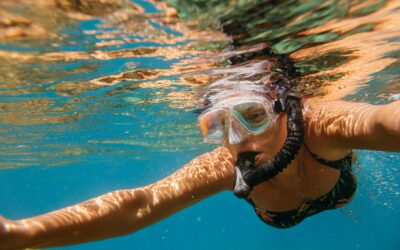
x,y
338,164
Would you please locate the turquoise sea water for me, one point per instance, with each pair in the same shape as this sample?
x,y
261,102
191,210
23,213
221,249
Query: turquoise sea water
x,y
121,112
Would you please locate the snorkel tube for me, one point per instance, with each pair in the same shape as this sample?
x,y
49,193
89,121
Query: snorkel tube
x,y
247,175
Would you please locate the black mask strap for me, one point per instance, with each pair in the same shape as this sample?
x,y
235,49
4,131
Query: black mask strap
x,y
248,176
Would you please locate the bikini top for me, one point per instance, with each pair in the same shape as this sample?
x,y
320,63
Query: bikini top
x,y
341,164
339,195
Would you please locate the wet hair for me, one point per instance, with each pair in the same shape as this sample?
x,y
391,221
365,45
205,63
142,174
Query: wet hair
x,y
247,175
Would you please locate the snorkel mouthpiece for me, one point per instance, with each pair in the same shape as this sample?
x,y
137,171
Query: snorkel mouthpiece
x,y
244,163
248,176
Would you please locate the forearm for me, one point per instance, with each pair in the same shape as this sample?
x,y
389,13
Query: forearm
x,y
387,122
124,211
106,216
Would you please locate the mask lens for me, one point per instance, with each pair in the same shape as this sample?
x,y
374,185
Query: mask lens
x,y
212,125
252,115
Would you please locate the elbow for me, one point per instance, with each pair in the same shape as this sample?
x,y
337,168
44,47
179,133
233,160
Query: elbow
x,y
135,209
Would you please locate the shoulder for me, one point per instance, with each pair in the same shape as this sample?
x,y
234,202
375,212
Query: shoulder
x,y
333,128
341,126
217,163
219,156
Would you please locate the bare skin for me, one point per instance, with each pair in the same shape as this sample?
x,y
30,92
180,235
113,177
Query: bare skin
x,y
332,129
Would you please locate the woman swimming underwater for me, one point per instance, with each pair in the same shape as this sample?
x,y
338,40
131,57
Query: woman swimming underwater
x,y
288,159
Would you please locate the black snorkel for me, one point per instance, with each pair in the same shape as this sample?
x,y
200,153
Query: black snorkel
x,y
247,175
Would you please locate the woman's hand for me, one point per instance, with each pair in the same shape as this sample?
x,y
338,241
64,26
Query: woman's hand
x,y
12,234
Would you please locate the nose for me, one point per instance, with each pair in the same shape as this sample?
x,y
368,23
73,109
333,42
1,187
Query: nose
x,y
236,132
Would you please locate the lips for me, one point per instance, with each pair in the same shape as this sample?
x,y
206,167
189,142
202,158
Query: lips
x,y
248,156
258,159
262,157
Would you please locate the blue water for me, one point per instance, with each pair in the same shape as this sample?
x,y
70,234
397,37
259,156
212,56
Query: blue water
x,y
371,221
72,146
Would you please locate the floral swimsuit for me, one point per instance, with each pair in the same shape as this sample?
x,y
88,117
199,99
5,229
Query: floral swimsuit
x,y
339,195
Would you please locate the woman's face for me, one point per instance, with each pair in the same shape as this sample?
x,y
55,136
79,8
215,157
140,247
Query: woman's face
x,y
238,120
266,144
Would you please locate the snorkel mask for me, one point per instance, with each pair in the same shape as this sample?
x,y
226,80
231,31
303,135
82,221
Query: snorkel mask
x,y
237,117
242,116
247,175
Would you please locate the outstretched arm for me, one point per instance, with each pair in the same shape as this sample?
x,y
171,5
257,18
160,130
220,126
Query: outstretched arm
x,y
347,125
124,211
